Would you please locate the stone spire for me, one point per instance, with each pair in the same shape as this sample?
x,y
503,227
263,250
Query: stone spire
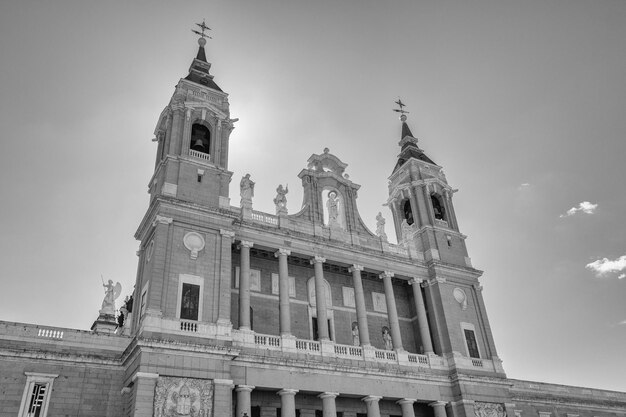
x,y
408,145
199,69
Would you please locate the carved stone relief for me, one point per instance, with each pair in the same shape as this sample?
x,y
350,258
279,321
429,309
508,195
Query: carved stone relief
x,y
488,410
183,397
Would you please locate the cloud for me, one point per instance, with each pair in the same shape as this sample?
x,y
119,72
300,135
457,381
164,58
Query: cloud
x,y
584,207
603,267
622,322
523,185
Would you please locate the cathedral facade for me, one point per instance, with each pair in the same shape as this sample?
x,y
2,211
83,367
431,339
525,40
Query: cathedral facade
x,y
238,312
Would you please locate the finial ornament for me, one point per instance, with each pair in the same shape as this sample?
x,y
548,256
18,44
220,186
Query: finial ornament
x,y
203,27
401,109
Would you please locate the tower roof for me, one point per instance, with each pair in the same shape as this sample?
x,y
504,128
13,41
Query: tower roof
x,y
199,69
408,146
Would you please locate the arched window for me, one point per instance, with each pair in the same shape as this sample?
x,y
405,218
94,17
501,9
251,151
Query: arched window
x,y
200,138
408,212
440,213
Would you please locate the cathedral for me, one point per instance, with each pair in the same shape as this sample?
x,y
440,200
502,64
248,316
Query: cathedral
x,y
238,312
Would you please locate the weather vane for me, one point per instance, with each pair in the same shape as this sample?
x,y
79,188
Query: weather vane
x,y
401,105
203,27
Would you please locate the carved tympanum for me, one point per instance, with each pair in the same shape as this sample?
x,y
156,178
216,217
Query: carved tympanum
x,y
183,397
488,410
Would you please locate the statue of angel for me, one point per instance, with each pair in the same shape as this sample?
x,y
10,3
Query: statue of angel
x,y
111,293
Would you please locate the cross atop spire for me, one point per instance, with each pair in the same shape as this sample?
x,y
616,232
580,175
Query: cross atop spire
x,y
202,27
401,109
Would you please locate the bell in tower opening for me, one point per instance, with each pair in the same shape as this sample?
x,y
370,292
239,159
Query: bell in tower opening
x,y
437,207
200,138
408,213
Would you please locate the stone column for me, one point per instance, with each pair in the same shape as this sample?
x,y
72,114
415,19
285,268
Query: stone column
x,y
359,301
371,402
244,286
320,298
328,404
407,407
287,402
243,400
223,300
422,320
392,312
439,407
223,397
283,279
145,383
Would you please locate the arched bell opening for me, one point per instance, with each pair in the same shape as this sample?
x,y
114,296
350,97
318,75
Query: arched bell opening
x,y
200,138
407,212
438,208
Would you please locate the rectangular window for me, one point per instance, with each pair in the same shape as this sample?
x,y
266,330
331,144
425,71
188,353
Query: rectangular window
x,y
144,300
472,346
190,302
36,395
190,296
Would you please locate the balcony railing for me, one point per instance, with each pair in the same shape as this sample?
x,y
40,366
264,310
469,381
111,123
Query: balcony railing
x,y
264,218
200,155
308,345
441,223
290,345
349,351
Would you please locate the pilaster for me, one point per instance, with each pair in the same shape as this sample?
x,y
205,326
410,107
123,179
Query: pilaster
x,y
144,385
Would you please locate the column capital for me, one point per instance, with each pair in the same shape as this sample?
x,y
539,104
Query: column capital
x,y
282,251
437,404
355,267
227,382
162,220
147,375
287,391
406,401
328,395
462,401
415,280
227,233
318,259
371,398
478,287
386,274
246,243
245,388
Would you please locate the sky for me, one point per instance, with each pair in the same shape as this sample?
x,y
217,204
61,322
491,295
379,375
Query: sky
x,y
522,103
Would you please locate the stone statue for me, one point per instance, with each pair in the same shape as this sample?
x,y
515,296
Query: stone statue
x,y
387,338
111,292
246,188
281,199
380,227
333,210
356,341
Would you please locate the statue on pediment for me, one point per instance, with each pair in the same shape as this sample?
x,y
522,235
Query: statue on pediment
x,y
332,204
380,227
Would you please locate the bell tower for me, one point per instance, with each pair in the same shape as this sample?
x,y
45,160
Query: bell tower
x,y
420,199
186,238
421,203
193,134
